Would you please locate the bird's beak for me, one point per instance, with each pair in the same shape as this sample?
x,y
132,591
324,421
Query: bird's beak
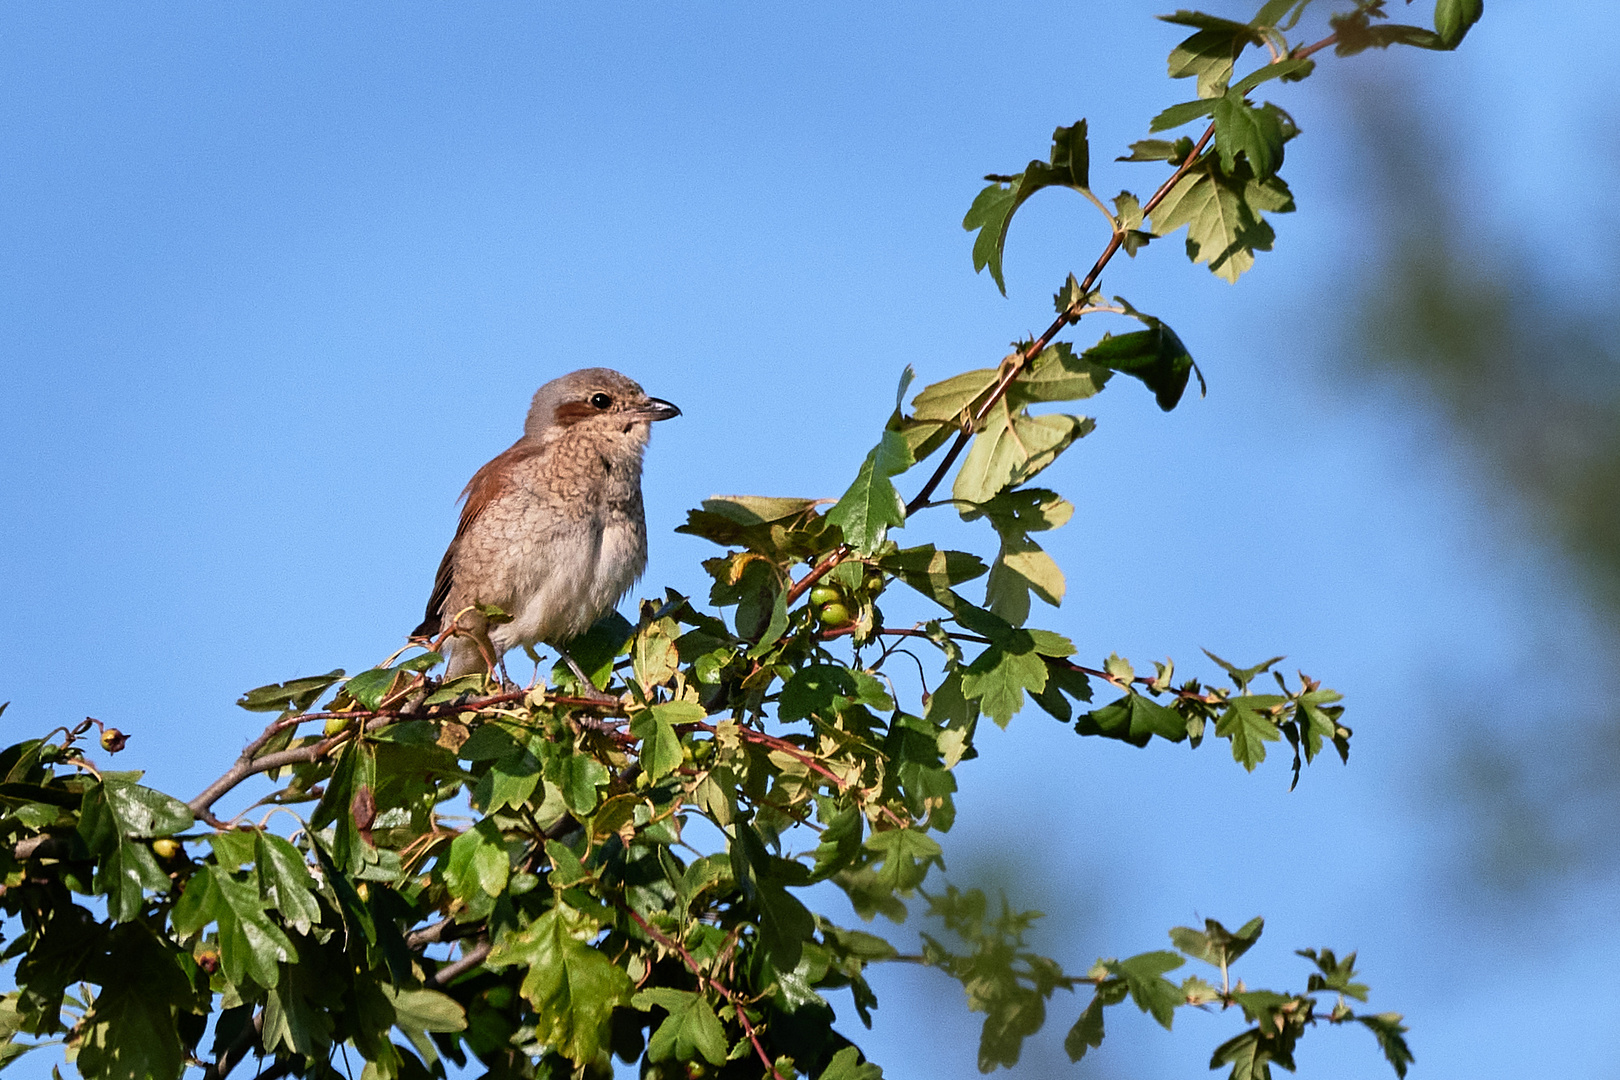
x,y
658,409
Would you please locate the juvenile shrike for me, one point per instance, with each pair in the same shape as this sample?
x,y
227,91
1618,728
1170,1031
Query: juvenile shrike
x,y
553,531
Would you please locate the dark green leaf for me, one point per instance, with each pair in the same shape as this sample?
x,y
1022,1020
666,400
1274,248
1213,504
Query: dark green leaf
x,y
1453,18
1256,132
1391,1035
785,923
1156,356
1134,718
250,944
130,1032
1087,1032
578,776
691,1028
872,505
285,881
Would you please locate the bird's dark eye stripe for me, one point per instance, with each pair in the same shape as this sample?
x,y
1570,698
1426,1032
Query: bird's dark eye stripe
x,y
601,401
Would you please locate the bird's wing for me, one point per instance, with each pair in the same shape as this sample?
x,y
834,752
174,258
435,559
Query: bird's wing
x,y
488,484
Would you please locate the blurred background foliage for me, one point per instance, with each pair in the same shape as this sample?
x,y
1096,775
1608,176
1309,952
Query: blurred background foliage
x,y
1519,375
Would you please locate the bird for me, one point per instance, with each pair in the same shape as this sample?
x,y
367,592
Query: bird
x,y
552,529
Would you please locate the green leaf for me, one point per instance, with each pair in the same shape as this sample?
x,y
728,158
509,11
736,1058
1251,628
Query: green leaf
x,y
930,571
815,690
250,944
998,677
1223,213
1390,1032
1057,374
478,862
116,811
949,399
130,1030
1209,56
294,695
285,881
992,211
299,1010
1012,447
370,687
847,1065
122,876
1320,718
117,808
1062,682
1256,132
1215,944
1087,1032
1152,992
872,505
1291,70
1176,115
1248,727
1134,718
566,869
1022,567
1334,974
691,1028
1282,14
1242,677
1454,18
578,776
1156,356
990,215
354,781
660,746
905,855
417,1012
573,988
785,923
1160,150
1243,1052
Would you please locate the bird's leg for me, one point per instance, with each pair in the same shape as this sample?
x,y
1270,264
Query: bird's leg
x,y
587,689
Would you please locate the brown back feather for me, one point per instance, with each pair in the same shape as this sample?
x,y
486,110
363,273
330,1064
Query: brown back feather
x,y
487,485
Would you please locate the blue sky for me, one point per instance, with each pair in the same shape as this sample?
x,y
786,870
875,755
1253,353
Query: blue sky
x,y
274,282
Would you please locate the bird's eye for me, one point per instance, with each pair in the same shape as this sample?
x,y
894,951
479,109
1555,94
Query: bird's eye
x,y
601,401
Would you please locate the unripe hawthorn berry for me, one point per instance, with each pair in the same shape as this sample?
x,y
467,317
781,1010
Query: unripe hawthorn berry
x,y
834,615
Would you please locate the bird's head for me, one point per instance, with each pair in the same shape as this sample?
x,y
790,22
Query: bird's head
x,y
598,400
